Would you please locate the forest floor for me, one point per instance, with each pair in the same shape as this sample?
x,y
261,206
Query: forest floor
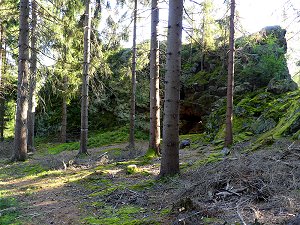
x,y
113,185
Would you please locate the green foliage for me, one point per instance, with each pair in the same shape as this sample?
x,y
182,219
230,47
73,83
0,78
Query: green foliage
x,y
262,62
10,116
144,185
9,214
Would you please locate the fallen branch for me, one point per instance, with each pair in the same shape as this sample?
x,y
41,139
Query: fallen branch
x,y
100,156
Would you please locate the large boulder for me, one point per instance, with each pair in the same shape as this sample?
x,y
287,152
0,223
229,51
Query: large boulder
x,y
281,86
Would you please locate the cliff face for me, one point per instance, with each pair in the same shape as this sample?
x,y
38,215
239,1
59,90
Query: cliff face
x,y
260,63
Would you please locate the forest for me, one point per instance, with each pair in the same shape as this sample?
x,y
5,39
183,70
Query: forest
x,y
133,112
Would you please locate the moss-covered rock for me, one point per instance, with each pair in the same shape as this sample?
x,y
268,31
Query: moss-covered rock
x,y
260,62
281,86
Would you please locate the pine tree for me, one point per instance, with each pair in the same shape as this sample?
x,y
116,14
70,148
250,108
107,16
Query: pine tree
x,y
32,79
230,80
20,143
170,153
2,100
133,82
154,81
85,80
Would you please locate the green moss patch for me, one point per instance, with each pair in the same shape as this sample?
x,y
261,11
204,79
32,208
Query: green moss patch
x,y
9,212
125,215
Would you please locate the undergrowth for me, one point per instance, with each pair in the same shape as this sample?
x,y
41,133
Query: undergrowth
x,y
99,139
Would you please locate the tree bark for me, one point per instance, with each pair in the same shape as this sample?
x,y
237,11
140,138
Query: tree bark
x,y
154,81
133,82
230,80
32,80
85,80
20,142
2,100
1,54
203,47
170,153
63,135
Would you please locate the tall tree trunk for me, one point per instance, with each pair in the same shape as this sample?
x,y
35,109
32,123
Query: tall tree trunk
x,y
230,80
85,80
2,102
154,81
20,143
170,153
32,80
63,135
133,81
203,43
1,53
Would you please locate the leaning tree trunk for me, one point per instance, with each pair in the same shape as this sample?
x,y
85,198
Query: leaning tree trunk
x,y
20,143
133,82
85,80
32,80
170,153
2,111
154,81
230,80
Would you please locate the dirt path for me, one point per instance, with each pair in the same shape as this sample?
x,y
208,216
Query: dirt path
x,y
212,189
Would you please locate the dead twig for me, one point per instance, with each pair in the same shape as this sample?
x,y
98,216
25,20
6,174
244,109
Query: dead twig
x,y
292,147
100,156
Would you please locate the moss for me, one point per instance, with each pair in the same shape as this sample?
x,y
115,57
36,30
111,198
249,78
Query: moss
x,y
288,124
195,137
165,212
95,182
185,165
21,169
150,154
104,192
131,169
9,217
147,184
211,158
124,215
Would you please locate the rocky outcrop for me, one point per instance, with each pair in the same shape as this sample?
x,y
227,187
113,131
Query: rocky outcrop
x,y
260,64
